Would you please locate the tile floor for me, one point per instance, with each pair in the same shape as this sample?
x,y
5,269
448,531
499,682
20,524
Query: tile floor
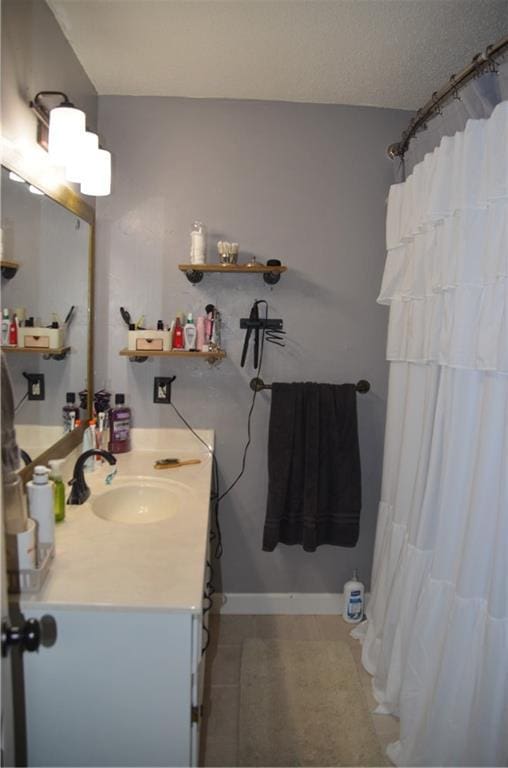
x,y
219,734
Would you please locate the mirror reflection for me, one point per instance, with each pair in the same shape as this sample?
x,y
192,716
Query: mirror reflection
x,y
45,310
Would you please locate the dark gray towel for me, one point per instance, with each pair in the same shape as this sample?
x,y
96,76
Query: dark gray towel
x,y
314,479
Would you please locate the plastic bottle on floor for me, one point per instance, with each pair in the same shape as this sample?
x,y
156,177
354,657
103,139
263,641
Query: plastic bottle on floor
x,y
354,600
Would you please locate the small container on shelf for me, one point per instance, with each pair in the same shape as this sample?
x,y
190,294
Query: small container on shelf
x,y
149,341
37,337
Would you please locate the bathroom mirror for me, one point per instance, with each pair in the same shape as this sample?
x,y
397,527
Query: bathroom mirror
x,y
47,269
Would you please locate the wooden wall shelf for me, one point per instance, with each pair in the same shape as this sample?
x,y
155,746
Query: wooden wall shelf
x,y
195,272
8,268
138,356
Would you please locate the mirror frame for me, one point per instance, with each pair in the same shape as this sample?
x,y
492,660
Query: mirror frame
x,y
67,198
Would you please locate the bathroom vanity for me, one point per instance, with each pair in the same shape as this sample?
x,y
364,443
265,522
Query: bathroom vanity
x,y
122,686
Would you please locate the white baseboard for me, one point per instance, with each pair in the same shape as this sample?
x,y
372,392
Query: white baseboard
x,y
278,602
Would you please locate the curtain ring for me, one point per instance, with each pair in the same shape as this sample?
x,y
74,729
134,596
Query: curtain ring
x,y
436,107
491,63
455,90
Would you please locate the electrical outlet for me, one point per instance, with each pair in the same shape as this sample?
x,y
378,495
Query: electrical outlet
x,y
162,389
36,387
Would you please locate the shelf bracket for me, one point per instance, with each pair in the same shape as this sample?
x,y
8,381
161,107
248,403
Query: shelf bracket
x,y
194,276
138,359
9,272
60,356
271,278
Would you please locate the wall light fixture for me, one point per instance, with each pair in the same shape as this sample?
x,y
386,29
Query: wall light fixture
x,y
61,130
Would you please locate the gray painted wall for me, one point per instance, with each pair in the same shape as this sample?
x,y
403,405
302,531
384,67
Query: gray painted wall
x,y
303,183
37,57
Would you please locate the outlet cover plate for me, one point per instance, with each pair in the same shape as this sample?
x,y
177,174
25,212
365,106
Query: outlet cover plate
x,y
162,389
36,387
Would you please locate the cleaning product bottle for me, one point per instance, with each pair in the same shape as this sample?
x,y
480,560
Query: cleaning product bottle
x,y
5,327
58,489
70,412
119,426
178,341
190,333
354,592
40,505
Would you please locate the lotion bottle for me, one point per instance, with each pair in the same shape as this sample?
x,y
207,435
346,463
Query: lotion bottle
x,y
354,600
5,327
40,505
189,333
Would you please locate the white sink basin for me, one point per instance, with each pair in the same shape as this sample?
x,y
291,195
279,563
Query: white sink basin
x,y
138,501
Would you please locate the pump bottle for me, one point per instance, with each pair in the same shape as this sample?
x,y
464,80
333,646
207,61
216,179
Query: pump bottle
x,y
40,505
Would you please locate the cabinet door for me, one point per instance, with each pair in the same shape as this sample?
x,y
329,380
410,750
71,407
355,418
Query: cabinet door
x,y
115,690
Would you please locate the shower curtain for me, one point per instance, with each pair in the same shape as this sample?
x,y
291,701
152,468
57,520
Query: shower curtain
x,y
436,638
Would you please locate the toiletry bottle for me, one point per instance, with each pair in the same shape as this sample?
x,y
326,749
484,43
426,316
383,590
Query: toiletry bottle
x,y
209,309
87,445
5,327
58,489
354,593
190,333
160,325
216,335
198,243
178,341
70,412
13,332
99,434
119,426
92,426
200,334
40,505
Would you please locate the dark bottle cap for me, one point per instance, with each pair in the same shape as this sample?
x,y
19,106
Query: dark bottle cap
x,y
119,399
70,397
160,325
132,327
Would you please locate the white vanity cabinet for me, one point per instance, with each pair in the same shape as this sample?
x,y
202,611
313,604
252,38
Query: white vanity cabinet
x,y
119,688
122,684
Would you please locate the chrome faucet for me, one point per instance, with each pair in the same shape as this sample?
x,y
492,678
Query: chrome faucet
x,y
80,490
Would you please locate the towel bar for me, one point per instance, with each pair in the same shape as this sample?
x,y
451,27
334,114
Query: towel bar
x,y
257,385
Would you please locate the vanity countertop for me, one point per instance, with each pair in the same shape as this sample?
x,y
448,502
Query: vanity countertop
x,y
155,566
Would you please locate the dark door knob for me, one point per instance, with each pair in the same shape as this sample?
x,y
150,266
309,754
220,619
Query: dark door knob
x,y
29,635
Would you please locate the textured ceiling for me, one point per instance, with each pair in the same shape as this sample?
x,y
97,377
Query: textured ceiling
x,y
385,53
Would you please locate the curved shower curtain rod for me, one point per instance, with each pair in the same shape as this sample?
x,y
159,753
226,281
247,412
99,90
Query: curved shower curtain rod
x,y
482,62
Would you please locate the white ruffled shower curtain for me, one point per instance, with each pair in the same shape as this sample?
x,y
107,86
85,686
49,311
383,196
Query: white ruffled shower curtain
x,y
436,639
